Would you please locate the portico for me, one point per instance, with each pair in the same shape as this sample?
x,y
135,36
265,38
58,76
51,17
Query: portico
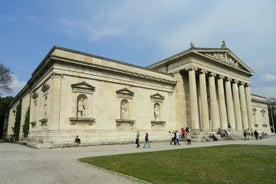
x,y
217,88
213,102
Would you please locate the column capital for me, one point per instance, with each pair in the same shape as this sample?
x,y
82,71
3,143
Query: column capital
x,y
191,68
228,79
241,83
235,81
220,77
211,74
201,71
247,84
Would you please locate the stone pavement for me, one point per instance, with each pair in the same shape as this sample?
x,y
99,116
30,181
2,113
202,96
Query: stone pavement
x,y
24,165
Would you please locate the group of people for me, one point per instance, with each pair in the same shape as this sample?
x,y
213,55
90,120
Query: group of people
x,y
186,133
256,134
175,136
222,133
146,142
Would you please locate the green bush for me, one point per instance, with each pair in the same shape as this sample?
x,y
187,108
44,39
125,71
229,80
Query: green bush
x,y
16,128
26,123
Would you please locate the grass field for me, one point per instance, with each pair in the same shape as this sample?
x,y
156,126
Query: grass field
x,y
219,164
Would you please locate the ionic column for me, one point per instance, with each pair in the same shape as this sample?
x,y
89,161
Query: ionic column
x,y
193,98
203,98
243,106
249,105
213,102
229,103
237,106
222,106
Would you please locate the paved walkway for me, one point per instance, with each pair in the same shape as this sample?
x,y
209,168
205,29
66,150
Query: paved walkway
x,y
24,165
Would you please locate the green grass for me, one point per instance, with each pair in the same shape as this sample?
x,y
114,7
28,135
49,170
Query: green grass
x,y
220,164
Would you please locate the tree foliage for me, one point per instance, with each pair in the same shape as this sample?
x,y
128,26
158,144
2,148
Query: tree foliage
x,y
26,123
5,79
272,113
16,128
4,106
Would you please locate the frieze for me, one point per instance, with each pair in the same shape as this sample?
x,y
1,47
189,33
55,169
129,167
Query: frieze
x,y
224,57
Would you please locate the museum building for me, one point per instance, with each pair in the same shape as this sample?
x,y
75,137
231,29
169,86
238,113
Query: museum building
x,y
105,101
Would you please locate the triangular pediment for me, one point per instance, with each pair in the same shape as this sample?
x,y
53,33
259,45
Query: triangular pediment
x,y
157,96
82,86
225,56
125,91
222,57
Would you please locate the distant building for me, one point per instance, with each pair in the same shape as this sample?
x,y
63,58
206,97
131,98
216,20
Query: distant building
x,y
106,101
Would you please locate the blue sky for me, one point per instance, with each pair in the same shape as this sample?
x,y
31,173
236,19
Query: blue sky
x,y
139,32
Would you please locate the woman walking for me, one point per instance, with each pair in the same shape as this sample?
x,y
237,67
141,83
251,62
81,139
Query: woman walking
x,y
146,140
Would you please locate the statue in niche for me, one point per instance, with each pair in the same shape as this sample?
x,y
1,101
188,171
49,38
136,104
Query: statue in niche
x,y
124,109
81,107
156,111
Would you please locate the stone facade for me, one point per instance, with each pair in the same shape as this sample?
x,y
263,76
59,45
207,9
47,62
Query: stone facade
x,y
106,101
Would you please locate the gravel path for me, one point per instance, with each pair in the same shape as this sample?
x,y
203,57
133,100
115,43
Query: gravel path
x,y
24,165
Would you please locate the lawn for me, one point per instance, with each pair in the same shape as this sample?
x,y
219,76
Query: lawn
x,y
219,164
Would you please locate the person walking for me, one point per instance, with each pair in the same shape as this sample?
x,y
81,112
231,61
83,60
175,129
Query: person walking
x,y
256,134
146,143
172,138
189,141
176,138
137,139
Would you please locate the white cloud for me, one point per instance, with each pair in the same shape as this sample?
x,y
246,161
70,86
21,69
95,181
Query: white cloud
x,y
269,77
94,32
171,25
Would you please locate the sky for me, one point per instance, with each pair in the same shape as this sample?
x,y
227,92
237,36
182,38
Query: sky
x,y
139,32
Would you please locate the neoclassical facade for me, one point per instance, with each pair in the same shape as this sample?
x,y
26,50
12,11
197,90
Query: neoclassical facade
x,y
106,101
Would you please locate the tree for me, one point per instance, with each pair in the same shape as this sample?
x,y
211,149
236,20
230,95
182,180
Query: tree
x,y
271,102
26,123
16,128
5,79
4,107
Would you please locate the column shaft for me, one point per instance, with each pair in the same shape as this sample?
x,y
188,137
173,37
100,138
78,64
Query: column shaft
x,y
213,102
193,99
222,106
249,106
237,106
204,102
229,103
243,106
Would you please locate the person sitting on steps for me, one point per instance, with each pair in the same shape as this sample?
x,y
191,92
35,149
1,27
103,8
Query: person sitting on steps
x,y
77,140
